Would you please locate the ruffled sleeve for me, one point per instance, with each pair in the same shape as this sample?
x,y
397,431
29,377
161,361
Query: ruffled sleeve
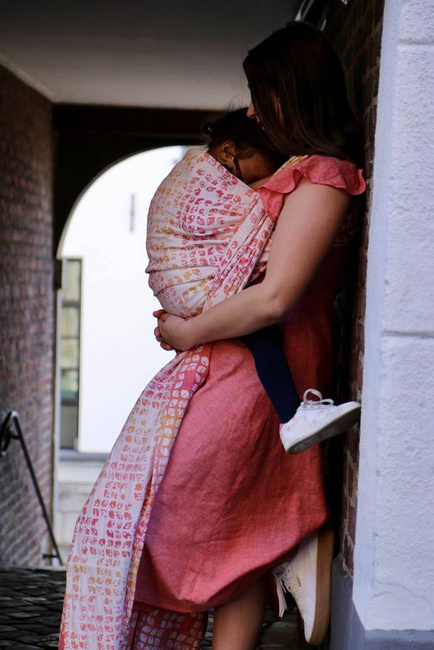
x,y
322,170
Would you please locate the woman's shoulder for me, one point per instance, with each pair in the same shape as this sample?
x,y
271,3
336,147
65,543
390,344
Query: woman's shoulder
x,y
324,170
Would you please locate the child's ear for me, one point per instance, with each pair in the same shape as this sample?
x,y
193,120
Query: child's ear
x,y
226,153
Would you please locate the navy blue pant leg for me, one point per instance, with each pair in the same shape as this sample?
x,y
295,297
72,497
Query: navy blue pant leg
x,y
273,371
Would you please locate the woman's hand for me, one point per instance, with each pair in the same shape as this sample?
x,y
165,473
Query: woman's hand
x,y
172,332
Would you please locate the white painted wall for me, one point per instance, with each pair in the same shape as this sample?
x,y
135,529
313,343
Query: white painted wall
x,y
119,354
394,554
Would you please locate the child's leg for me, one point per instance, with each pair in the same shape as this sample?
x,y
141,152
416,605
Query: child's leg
x,y
317,419
273,370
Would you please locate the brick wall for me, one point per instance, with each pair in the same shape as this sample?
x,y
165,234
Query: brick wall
x,y
26,312
355,30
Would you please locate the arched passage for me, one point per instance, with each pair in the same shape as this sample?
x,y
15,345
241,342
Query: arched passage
x,y
106,350
89,139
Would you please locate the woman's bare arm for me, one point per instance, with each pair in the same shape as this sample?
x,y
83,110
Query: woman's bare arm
x,y
308,224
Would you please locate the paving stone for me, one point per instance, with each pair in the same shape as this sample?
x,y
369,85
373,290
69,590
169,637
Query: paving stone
x,y
31,605
280,633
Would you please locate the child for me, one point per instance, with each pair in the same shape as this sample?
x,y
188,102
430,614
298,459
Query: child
x,y
238,144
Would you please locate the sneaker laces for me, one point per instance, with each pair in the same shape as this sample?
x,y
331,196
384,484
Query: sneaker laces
x,y
281,572
315,403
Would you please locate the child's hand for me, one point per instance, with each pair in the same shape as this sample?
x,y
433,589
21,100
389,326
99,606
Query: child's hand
x,y
163,344
171,331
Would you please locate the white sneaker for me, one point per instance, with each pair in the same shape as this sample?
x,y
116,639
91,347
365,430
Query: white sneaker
x,y
308,577
316,420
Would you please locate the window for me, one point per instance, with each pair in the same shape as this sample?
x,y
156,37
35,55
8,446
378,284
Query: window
x,y
70,353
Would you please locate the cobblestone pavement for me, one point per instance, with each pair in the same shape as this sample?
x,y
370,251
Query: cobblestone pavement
x,y
31,605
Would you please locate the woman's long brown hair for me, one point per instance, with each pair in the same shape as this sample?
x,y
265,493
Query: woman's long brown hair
x,y
299,92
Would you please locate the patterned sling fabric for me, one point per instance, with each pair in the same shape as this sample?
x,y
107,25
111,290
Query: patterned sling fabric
x,y
160,629
231,229
199,234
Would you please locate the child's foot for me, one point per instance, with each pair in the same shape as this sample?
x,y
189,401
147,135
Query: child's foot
x,y
307,577
316,420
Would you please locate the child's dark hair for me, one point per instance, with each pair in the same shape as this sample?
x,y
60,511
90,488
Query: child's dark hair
x,y
244,132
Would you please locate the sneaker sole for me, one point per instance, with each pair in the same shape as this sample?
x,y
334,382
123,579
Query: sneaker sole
x,y
323,587
335,428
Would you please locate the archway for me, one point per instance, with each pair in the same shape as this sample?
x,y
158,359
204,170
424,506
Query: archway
x,y
107,353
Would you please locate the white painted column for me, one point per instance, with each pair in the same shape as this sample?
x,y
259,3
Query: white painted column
x,y
394,553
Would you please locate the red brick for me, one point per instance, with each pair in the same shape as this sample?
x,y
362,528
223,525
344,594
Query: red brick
x,y
355,30
27,314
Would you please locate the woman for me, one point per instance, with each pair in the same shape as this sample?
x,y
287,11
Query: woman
x,y
299,97
230,504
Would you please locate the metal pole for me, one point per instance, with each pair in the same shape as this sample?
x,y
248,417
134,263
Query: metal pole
x,y
12,417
